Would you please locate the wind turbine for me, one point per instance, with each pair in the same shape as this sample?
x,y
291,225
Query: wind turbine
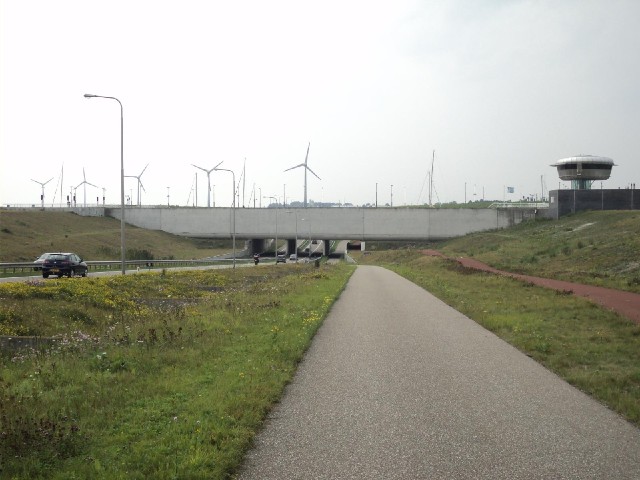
x,y
208,172
85,183
139,182
42,185
306,167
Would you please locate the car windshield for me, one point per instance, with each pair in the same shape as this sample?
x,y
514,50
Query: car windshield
x,y
58,257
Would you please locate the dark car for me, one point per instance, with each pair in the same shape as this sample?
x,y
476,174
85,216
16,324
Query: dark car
x,y
37,263
280,258
64,264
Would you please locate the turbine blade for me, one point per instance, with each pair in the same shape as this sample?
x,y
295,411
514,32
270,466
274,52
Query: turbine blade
x,y
143,170
307,155
301,165
91,184
142,186
313,172
199,167
209,171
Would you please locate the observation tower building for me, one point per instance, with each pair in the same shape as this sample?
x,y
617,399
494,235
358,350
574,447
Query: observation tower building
x,y
583,170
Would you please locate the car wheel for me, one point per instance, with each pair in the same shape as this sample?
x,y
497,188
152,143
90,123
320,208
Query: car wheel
x,y
45,275
71,273
84,273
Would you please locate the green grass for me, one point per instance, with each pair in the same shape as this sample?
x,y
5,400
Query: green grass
x,y
170,375
597,248
592,348
26,235
153,376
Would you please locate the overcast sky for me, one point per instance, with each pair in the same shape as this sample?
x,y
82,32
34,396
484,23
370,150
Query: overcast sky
x,y
499,89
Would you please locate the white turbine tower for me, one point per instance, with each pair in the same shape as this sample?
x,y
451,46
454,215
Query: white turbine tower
x,y
140,186
306,167
85,183
42,194
208,172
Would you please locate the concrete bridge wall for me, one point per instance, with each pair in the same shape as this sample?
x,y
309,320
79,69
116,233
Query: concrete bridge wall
x,y
325,223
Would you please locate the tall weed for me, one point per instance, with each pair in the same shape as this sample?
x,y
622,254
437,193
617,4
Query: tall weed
x,y
165,376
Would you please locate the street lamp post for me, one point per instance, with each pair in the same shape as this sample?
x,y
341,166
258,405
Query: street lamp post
x,y
233,206
122,246
276,247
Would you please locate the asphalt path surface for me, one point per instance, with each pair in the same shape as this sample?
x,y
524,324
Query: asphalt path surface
x,y
398,385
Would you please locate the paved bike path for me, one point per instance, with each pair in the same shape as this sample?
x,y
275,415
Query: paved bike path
x,y
398,385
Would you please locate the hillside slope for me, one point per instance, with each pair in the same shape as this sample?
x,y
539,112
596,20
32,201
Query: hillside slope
x,y
597,248
24,235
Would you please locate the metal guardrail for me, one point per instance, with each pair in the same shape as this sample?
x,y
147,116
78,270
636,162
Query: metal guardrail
x,y
519,205
114,264
77,206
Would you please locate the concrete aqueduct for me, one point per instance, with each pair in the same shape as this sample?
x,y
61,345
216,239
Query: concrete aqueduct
x,y
365,224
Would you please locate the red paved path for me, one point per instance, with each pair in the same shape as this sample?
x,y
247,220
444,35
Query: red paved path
x,y
626,304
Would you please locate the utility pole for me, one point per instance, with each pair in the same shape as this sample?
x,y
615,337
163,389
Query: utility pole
x,y
433,158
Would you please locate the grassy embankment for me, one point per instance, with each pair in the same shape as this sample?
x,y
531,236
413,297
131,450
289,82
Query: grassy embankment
x,y
152,375
596,248
592,348
26,235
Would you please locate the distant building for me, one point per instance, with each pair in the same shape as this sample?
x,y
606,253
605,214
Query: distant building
x,y
583,170
564,202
